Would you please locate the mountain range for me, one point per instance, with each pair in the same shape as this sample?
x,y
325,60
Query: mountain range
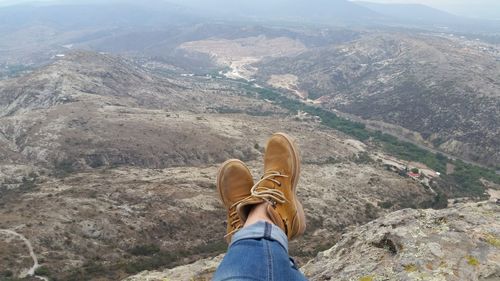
x,y
31,33
133,13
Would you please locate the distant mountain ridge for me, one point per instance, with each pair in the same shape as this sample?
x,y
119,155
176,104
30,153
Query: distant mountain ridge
x,y
75,16
411,12
152,11
341,12
315,10
84,16
428,17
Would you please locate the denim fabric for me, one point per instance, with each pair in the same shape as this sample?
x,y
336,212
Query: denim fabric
x,y
258,252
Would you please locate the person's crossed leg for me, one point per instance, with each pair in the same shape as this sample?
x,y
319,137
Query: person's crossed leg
x,y
262,216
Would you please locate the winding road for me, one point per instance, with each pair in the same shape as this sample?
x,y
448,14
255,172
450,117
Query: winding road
x,y
31,271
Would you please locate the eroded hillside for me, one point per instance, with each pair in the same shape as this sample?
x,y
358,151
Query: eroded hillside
x,y
445,89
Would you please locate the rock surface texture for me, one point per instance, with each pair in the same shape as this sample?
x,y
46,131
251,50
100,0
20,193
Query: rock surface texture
x,y
201,270
459,243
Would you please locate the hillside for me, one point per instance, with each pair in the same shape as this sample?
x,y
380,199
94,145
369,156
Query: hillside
x,y
94,113
445,89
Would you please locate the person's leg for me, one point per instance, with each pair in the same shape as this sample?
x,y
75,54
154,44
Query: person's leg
x,y
259,251
271,214
258,213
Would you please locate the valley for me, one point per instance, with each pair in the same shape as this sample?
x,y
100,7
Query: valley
x,y
114,118
370,70
92,154
98,174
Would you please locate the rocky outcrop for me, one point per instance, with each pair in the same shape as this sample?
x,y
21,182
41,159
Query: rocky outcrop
x,y
201,270
459,243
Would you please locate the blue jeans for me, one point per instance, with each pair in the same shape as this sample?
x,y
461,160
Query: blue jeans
x,y
258,252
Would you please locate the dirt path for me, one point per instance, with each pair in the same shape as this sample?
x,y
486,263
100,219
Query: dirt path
x,y
31,271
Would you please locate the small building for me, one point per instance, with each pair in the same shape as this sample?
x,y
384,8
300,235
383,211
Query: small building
x,y
413,175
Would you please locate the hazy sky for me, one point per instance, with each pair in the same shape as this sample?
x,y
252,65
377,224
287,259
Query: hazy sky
x,y
472,8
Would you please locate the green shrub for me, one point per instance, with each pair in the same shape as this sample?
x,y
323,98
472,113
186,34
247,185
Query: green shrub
x,y
64,167
466,177
363,158
27,184
386,205
144,250
43,271
6,273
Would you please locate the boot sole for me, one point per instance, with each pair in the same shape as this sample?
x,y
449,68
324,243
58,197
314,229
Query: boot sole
x,y
301,218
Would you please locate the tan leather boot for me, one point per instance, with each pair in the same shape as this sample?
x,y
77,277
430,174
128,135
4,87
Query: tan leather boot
x,y
234,182
278,185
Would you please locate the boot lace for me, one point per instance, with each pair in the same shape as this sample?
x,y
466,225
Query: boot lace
x,y
272,196
236,222
269,194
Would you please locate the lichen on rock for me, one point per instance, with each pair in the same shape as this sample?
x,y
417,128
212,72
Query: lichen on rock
x,y
451,244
